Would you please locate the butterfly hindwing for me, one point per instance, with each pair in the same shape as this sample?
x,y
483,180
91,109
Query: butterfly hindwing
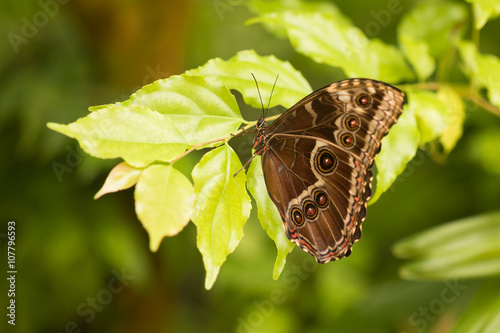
x,y
331,195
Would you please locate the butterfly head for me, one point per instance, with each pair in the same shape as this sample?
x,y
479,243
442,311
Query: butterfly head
x,y
261,124
259,142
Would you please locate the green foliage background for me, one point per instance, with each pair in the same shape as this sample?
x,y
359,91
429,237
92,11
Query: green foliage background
x,y
70,248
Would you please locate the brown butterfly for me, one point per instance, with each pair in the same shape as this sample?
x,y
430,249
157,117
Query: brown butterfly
x,y
317,159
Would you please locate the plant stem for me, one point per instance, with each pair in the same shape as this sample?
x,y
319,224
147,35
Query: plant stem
x,y
484,104
465,91
250,124
198,146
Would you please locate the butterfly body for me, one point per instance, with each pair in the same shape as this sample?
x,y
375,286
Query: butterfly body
x,y
317,159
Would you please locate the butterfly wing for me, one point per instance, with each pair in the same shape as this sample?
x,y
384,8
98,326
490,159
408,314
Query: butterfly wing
x,y
317,161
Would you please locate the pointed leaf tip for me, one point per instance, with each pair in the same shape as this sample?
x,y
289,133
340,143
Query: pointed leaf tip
x,y
164,201
122,177
269,216
222,207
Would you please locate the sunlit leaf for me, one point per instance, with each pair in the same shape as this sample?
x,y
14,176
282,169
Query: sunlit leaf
x,y
122,177
268,214
398,148
222,207
164,201
417,53
390,61
261,7
266,6
456,109
235,73
482,314
202,110
137,134
467,248
158,122
484,10
431,114
421,43
332,39
483,69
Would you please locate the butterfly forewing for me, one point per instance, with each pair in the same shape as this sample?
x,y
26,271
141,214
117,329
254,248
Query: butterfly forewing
x,y
317,160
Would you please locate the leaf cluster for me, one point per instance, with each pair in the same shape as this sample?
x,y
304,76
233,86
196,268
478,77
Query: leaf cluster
x,y
165,121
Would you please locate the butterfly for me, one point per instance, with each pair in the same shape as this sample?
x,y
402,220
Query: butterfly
x,y
317,160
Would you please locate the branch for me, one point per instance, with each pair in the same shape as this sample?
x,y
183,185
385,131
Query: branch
x,y
227,138
484,104
465,91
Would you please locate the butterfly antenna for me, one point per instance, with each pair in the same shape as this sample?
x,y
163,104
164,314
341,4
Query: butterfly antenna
x,y
260,97
272,90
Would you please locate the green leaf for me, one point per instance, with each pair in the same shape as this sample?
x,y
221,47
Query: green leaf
x,y
332,39
137,134
391,63
483,69
159,122
264,7
482,315
484,10
421,43
235,73
164,201
202,110
222,207
122,177
269,215
417,53
466,248
456,117
431,114
398,148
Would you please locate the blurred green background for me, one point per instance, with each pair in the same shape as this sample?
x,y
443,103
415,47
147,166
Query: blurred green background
x,y
85,266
